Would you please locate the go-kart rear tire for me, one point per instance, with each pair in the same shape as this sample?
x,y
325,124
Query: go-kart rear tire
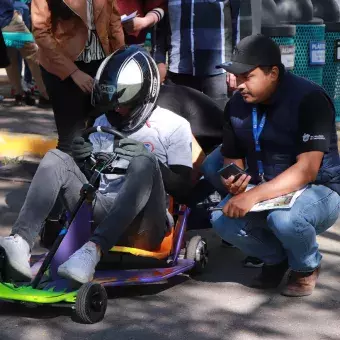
x,y
197,250
91,303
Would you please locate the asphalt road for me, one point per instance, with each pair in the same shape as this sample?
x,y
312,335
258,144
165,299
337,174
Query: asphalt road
x,y
217,305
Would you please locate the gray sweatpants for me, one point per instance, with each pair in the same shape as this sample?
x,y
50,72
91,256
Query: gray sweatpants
x,y
135,217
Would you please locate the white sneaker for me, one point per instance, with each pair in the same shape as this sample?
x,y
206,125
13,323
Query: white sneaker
x,y
81,265
18,254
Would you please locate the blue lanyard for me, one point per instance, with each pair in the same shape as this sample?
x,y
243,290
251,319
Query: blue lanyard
x,y
257,130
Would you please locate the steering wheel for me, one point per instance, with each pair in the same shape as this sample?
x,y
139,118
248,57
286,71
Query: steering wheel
x,y
102,129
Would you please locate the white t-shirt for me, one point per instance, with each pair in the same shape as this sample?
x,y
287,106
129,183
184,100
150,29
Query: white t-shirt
x,y
165,134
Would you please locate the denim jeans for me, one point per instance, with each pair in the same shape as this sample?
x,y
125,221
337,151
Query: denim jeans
x,y
277,234
136,217
212,163
272,236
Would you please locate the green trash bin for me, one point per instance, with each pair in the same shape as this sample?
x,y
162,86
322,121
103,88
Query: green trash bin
x,y
310,50
284,36
331,71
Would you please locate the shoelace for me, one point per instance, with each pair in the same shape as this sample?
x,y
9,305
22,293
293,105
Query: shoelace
x,y
85,255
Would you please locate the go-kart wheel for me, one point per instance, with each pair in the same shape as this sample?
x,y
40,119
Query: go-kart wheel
x,y
197,250
91,303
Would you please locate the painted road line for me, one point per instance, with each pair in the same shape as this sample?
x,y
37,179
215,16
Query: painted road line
x,y
17,145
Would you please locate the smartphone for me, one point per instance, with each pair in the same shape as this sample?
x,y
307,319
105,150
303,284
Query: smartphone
x,y
232,170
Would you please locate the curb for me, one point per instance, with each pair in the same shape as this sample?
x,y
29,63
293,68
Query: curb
x,y
18,145
14,145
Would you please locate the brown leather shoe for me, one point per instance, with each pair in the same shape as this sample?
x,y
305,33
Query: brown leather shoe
x,y
301,284
270,276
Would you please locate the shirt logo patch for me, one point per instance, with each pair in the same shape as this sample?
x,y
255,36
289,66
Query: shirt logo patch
x,y
306,137
149,146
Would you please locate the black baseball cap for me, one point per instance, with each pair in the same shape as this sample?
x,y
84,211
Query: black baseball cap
x,y
251,52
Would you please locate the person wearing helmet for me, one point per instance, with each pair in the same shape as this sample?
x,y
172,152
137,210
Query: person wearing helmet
x,y
130,205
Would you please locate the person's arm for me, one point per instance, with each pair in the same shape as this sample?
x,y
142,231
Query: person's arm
x,y
177,181
232,153
315,126
177,177
116,34
154,13
42,31
155,10
316,117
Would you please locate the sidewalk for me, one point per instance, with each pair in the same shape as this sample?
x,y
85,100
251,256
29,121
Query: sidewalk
x,y
24,131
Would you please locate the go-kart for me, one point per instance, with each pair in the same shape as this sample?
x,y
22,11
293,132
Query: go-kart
x,y
90,300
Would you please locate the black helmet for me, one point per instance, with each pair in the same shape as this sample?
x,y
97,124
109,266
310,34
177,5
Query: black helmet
x,y
126,87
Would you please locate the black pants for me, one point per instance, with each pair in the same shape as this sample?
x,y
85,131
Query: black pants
x,y
71,106
214,87
135,217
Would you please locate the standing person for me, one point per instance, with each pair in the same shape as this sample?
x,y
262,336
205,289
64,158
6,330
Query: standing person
x,y
197,38
13,22
73,37
149,13
283,127
24,7
6,14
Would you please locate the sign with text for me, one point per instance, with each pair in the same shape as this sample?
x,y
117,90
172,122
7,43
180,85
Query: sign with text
x,y
337,50
288,56
317,53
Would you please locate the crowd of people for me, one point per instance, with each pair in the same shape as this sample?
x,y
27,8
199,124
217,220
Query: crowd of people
x,y
277,127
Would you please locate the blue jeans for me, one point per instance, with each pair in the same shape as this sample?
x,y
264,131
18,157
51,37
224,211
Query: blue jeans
x,y
275,235
212,163
278,234
26,16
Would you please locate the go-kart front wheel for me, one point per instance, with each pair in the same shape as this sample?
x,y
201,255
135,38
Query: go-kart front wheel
x,y
91,303
197,250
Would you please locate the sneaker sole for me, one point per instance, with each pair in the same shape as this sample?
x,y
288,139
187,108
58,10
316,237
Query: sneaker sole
x,y
296,294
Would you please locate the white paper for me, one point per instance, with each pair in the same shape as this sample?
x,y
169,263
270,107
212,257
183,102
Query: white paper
x,y
125,18
281,202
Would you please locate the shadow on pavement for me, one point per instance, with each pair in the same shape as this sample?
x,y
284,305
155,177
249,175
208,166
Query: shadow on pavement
x,y
217,305
37,120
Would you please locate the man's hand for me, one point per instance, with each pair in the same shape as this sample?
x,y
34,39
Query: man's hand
x,y
81,149
238,186
238,206
130,148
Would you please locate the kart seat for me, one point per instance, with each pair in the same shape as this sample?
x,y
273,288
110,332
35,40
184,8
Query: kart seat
x,y
160,254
